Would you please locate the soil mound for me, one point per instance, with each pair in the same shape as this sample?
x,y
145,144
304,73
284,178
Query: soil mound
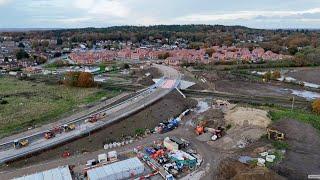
x,y
247,126
241,116
232,169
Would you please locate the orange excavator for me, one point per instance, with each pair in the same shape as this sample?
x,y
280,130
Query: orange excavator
x,y
200,127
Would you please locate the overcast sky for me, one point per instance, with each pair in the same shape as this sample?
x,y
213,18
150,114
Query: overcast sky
x,y
104,13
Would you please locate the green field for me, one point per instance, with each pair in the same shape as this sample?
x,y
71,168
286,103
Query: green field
x,y
304,116
32,103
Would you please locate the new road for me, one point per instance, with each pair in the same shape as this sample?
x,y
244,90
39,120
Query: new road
x,y
37,142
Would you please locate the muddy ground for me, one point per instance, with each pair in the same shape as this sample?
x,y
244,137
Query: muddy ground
x,y
232,83
232,169
306,74
143,79
303,157
248,88
170,106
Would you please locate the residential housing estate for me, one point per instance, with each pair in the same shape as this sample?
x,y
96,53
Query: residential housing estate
x,y
177,56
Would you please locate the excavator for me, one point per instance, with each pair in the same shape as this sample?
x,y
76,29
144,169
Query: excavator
x,y
275,134
200,127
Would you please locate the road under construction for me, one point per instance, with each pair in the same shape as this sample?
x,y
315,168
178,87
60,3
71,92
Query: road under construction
x,y
23,145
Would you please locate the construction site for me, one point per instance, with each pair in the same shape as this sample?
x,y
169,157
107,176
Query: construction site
x,y
172,123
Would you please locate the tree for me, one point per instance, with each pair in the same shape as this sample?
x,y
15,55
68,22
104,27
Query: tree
x,y
57,54
164,55
79,79
22,54
59,41
210,51
267,76
293,50
316,106
71,78
21,45
85,80
126,66
276,74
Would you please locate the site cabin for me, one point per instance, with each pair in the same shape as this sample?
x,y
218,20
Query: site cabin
x,y
180,143
102,158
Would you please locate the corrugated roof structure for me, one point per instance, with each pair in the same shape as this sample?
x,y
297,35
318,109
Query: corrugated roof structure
x,y
117,171
60,173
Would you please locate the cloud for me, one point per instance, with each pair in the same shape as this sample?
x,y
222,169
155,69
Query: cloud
x,y
4,2
114,8
83,4
246,15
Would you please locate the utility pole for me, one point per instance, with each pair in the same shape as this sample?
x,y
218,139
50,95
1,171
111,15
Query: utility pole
x,y
292,103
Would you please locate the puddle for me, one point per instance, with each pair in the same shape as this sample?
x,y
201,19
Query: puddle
x,y
308,95
202,106
290,79
293,80
259,73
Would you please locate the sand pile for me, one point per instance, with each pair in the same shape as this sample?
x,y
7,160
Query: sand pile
x,y
247,126
241,116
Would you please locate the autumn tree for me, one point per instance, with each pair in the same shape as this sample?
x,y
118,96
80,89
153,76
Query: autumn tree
x,y
267,76
276,74
79,79
316,106
164,55
71,78
85,80
210,51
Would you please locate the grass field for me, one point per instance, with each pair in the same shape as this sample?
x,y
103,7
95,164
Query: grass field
x,y
36,103
304,116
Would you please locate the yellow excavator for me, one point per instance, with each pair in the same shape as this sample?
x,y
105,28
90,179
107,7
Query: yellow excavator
x,y
275,134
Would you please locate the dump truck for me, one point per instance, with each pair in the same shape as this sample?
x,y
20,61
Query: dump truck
x,y
20,143
275,134
69,127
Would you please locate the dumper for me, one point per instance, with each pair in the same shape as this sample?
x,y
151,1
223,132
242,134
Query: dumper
x,y
69,127
20,143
